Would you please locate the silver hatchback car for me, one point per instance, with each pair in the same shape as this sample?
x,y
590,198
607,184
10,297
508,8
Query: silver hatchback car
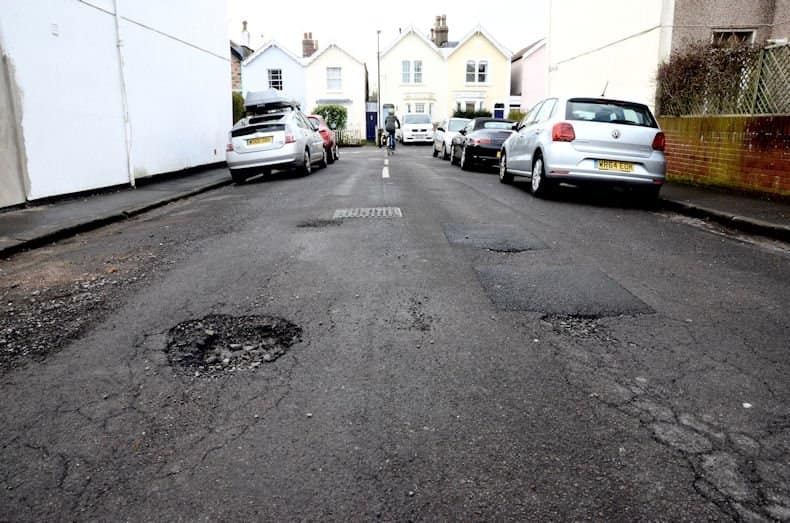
x,y
273,134
586,140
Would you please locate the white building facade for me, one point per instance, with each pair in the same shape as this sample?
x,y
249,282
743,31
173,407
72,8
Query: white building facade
x,y
272,66
94,98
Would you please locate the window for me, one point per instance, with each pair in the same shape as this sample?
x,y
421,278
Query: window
x,y
627,113
276,79
411,72
546,110
476,71
471,107
729,37
470,71
416,118
333,79
419,108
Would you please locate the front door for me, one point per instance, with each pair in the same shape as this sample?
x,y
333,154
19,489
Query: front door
x,y
370,126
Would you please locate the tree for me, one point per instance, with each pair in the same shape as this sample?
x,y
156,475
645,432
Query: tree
x,y
334,114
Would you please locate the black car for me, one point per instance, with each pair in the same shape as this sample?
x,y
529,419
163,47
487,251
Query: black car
x,y
479,142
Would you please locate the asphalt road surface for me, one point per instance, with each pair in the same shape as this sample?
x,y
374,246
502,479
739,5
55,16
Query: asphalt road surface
x,y
463,352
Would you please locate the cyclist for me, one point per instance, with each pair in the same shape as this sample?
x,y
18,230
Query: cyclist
x,y
391,123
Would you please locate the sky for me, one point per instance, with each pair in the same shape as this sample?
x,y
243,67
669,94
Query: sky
x,y
353,24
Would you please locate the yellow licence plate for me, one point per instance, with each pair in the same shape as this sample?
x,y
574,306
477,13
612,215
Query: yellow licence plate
x,y
612,165
259,141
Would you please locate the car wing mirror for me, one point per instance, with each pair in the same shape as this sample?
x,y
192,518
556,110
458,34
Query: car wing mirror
x,y
440,129
314,125
462,131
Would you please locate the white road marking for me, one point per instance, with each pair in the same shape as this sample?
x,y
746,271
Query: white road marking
x,y
385,172
386,161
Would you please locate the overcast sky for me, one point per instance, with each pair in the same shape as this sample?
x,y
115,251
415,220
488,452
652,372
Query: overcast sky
x,y
353,24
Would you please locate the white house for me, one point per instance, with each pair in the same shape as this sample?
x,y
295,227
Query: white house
x,y
529,75
414,76
333,76
273,66
93,97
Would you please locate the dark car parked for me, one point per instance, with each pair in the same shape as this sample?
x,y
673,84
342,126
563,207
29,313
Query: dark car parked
x,y
480,141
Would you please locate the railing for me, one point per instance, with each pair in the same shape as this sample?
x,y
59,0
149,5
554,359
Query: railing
x,y
349,136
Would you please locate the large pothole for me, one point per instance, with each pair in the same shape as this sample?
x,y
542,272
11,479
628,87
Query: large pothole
x,y
220,343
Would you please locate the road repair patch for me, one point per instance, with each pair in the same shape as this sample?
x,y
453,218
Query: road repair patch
x,y
219,343
494,237
563,290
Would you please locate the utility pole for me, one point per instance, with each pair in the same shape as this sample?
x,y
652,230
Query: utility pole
x,y
378,90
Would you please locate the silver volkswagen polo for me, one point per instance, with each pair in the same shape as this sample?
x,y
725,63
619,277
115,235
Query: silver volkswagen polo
x,y
586,140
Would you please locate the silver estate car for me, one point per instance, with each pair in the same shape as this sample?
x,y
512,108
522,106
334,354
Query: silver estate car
x,y
273,134
586,140
443,136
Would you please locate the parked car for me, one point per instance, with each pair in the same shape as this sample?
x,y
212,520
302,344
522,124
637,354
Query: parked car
x,y
416,128
443,136
330,140
586,140
479,142
273,134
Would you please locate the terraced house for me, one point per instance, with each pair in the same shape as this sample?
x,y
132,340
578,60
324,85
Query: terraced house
x,y
437,76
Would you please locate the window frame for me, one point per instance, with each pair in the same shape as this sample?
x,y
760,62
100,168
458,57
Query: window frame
x,y
339,79
415,71
271,80
405,72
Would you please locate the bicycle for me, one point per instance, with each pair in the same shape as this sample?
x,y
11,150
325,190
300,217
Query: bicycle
x,y
390,144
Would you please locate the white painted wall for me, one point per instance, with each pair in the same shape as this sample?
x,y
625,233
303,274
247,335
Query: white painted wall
x,y
616,41
352,85
255,76
66,70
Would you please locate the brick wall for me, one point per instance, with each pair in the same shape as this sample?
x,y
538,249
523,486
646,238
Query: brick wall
x,y
741,152
235,72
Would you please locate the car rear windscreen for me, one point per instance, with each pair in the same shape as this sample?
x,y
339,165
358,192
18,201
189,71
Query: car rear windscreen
x,y
609,111
416,118
493,124
260,128
456,125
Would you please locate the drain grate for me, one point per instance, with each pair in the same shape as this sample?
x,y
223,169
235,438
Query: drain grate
x,y
369,212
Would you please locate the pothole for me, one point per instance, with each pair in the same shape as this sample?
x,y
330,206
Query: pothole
x,y
319,223
220,343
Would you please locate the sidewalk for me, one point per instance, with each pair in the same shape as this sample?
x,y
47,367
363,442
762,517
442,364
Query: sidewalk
x,y
33,226
740,211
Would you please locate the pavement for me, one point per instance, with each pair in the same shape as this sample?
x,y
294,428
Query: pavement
x,y
36,225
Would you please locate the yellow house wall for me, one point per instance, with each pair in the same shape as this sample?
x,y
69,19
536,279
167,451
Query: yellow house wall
x,y
433,87
498,86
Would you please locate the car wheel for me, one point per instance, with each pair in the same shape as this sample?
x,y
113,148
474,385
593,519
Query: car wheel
x,y
238,175
324,162
504,176
330,156
649,195
435,151
452,154
307,168
444,152
540,186
465,164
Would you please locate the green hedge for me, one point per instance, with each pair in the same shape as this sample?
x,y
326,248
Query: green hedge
x,y
472,114
238,107
334,114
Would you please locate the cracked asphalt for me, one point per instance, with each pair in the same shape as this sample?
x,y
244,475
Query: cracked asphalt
x,y
486,356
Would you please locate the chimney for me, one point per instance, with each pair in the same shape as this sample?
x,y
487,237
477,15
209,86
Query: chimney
x,y
439,31
245,35
309,46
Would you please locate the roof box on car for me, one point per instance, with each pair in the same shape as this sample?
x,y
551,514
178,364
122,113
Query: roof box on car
x,y
270,99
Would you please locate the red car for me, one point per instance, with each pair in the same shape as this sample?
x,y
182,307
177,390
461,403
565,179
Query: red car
x,y
330,141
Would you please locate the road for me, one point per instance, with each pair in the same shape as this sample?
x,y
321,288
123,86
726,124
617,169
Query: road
x,y
484,355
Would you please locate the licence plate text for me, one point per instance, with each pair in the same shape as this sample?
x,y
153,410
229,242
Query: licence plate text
x,y
259,141
612,165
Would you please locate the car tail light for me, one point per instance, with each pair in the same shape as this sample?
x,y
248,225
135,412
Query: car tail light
x,y
659,142
563,132
229,148
289,138
478,141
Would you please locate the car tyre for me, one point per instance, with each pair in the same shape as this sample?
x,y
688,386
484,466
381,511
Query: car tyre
x,y
307,168
445,156
239,176
465,163
435,151
324,161
539,185
649,195
504,176
452,154
330,156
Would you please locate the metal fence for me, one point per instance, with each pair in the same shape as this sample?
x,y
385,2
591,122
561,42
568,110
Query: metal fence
x,y
759,85
349,136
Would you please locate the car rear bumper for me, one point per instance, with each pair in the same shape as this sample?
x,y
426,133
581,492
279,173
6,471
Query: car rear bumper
x,y
285,157
565,164
482,154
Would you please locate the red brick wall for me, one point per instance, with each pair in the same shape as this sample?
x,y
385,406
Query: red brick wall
x,y
740,152
235,72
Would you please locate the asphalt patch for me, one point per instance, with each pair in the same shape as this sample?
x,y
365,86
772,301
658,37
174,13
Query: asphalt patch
x,y
562,290
319,223
220,343
502,238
